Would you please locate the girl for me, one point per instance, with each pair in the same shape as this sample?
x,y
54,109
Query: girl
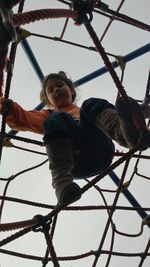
x,y
78,141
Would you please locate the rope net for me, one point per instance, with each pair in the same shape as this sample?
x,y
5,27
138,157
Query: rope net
x,y
112,228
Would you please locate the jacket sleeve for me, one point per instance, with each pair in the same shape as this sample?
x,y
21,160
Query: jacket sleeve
x,y
19,119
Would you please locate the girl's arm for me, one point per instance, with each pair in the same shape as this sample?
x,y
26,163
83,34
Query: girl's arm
x,y
22,120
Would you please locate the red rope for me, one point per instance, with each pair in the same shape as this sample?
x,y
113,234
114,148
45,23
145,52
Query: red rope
x,y
137,123
17,225
41,14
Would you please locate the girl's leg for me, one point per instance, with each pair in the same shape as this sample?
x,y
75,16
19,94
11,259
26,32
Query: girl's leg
x,y
115,122
96,149
118,124
60,129
108,122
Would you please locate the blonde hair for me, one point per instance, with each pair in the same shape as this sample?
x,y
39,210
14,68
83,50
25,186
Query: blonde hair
x,y
61,75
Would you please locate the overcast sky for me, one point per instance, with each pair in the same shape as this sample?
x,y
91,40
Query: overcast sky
x,y
76,232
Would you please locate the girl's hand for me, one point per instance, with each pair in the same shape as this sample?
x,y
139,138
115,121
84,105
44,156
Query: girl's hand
x,y
5,105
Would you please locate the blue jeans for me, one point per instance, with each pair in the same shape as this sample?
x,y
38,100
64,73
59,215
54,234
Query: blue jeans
x,y
92,149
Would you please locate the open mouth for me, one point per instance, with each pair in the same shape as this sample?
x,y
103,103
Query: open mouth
x,y
59,95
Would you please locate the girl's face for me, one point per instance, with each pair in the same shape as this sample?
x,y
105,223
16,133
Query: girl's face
x,y
58,93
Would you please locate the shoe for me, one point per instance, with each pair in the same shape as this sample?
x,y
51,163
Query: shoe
x,y
69,194
130,131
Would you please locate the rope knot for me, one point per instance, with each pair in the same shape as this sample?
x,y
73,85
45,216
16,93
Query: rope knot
x,y
84,9
42,224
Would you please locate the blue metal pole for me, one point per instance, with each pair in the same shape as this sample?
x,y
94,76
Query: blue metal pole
x,y
29,53
129,57
136,53
34,64
129,196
